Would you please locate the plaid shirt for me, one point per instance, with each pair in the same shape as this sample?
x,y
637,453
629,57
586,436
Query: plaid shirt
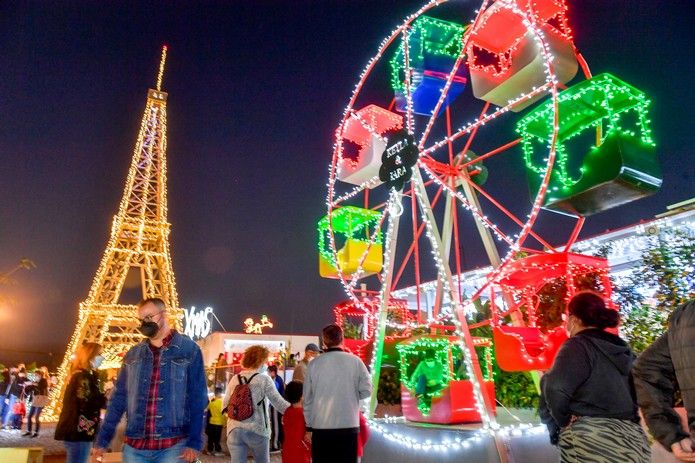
x,y
150,442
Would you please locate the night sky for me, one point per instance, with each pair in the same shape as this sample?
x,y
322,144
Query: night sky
x,y
256,89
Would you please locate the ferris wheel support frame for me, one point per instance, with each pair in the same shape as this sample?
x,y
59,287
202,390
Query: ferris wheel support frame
x,y
469,350
391,240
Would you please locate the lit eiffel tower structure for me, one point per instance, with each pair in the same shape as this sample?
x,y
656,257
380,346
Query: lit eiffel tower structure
x,y
139,242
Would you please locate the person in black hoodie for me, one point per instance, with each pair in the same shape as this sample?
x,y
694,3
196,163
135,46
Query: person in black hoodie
x,y
80,416
588,397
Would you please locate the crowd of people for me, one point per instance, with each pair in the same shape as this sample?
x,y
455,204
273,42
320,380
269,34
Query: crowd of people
x,y
590,398
162,390
21,389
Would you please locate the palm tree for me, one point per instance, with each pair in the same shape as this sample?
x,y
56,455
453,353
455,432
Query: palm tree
x,y
6,277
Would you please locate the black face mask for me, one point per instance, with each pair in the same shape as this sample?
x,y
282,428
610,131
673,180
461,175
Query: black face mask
x,y
149,329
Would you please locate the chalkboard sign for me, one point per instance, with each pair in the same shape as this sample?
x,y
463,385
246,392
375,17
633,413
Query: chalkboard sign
x,y
398,159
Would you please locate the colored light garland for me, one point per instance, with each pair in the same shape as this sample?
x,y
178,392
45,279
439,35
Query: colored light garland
x,y
504,15
381,426
429,36
587,105
440,348
352,223
368,309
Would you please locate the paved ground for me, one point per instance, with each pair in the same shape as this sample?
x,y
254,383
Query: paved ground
x,y
56,452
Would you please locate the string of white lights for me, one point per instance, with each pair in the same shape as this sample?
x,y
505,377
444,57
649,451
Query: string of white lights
x,y
385,427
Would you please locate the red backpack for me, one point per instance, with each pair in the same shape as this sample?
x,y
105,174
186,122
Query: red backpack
x,y
240,406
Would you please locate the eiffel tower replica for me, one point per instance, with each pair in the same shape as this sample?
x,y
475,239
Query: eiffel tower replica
x,y
139,244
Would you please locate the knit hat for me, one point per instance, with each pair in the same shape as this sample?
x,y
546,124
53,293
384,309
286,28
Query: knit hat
x,y
312,347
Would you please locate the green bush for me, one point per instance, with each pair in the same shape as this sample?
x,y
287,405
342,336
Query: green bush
x,y
389,386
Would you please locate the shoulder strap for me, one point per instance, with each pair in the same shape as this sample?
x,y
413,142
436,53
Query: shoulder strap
x,y
244,380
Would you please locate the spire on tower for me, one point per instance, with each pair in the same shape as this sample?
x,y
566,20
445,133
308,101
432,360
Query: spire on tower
x,y
160,76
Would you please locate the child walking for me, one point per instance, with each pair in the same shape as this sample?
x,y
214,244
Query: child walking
x,y
294,448
215,424
19,411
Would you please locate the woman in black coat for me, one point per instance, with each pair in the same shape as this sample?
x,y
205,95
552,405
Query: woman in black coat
x,y
39,399
588,396
80,416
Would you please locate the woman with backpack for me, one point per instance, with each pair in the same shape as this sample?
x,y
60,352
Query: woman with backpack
x,y
248,423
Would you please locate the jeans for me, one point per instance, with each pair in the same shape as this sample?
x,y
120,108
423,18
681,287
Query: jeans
x,y
34,411
8,411
214,432
3,406
240,441
77,452
276,431
170,455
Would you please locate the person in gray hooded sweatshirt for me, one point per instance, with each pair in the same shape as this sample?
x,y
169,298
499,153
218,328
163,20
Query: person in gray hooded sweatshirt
x,y
588,396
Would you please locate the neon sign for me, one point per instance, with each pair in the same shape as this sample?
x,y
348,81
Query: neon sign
x,y
257,328
198,324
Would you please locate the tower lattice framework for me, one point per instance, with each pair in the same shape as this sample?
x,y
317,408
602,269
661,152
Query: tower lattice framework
x,y
140,241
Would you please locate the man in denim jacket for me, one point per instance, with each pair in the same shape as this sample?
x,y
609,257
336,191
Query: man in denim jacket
x,y
162,388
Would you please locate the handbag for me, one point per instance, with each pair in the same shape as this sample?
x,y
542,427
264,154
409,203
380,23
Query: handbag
x,y
39,401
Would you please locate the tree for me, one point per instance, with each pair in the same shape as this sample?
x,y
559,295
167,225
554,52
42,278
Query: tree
x,y
6,277
663,279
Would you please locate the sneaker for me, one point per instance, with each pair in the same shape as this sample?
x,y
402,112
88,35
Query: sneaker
x,y
28,433
36,434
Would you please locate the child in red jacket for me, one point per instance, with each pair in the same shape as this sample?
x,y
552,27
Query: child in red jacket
x,y
294,448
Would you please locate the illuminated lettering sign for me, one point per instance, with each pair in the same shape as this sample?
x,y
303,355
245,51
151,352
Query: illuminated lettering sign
x,y
198,324
398,159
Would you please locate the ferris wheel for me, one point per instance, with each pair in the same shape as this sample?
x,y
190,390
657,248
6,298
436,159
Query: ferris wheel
x,y
492,118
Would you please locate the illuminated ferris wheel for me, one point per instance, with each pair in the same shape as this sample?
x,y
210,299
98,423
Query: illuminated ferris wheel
x,y
491,118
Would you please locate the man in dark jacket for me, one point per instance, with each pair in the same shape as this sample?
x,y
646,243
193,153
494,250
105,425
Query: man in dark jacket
x,y
670,360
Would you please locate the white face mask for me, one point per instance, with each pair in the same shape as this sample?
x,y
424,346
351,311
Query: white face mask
x,y
96,361
263,369
570,326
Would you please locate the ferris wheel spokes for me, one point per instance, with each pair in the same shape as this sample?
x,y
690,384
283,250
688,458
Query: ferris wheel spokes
x,y
482,121
484,401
